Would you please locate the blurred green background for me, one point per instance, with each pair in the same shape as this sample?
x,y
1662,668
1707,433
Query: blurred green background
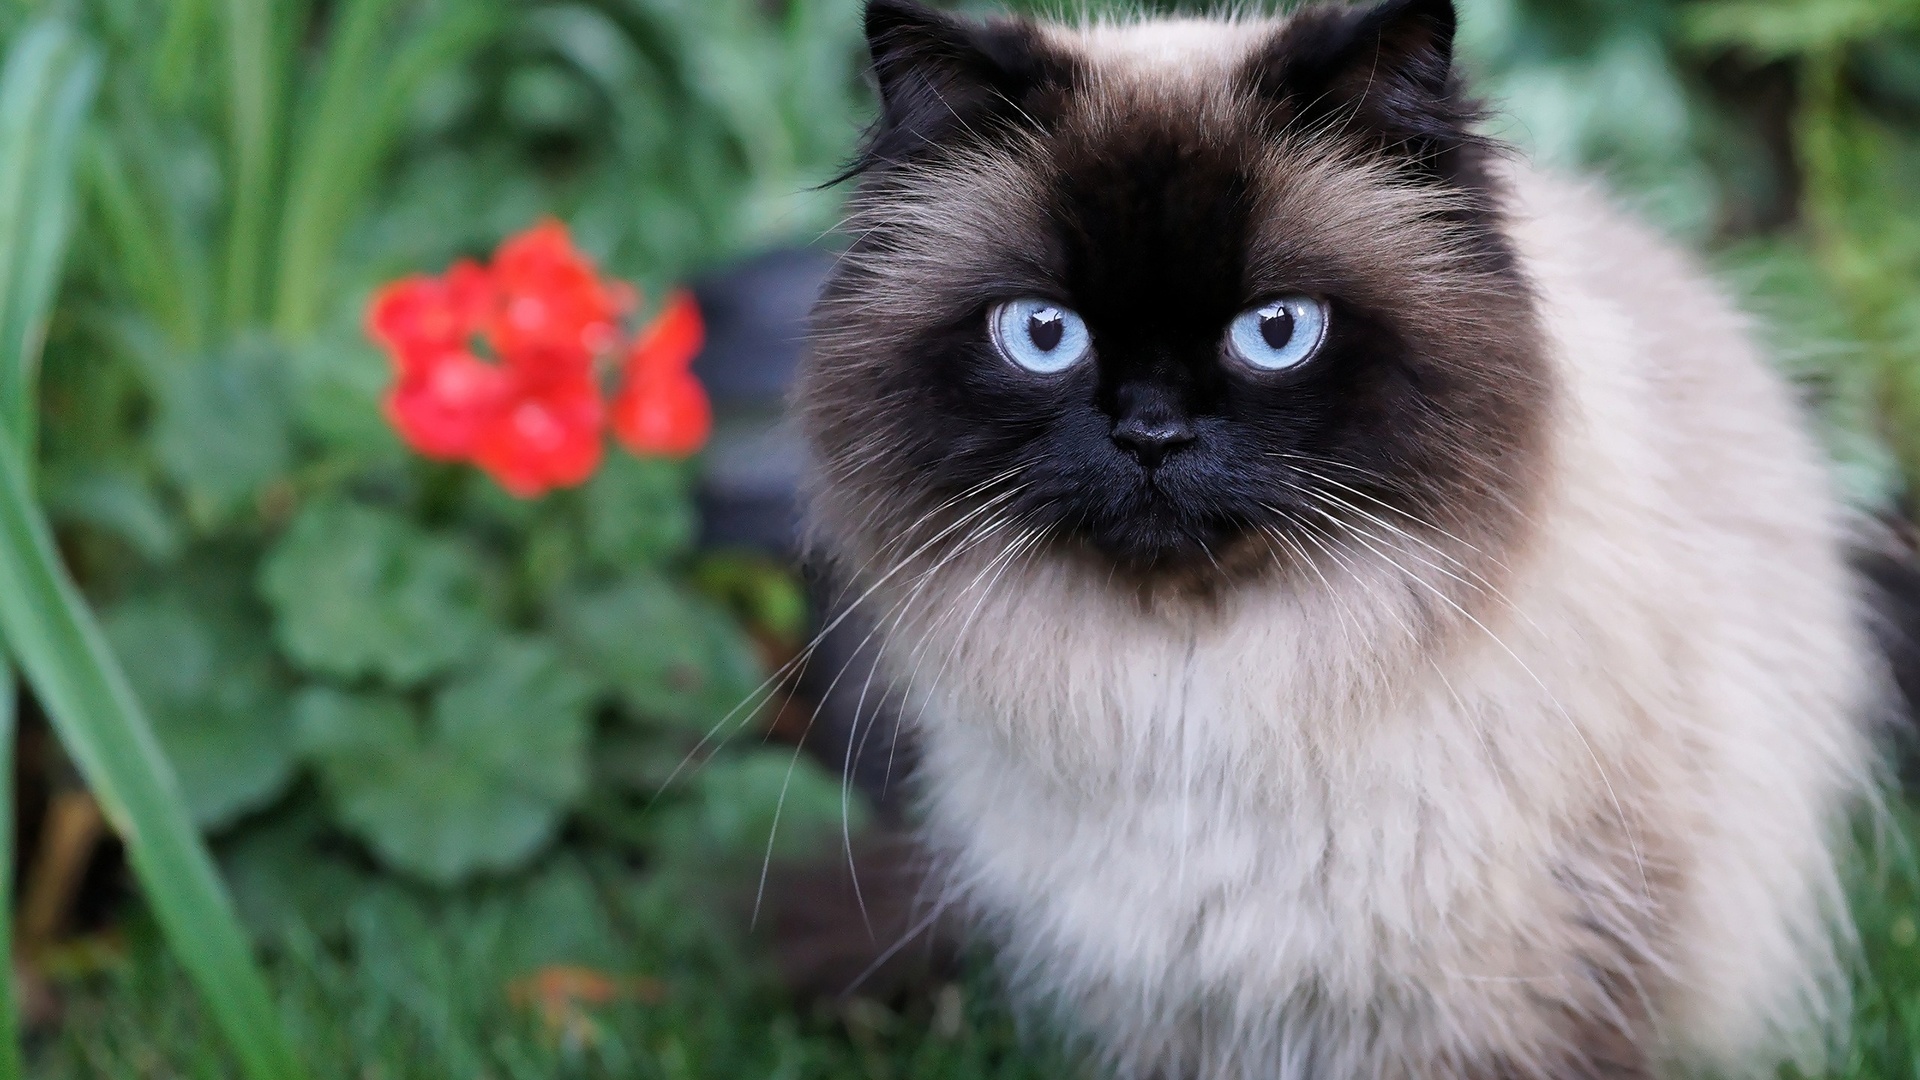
x,y
433,733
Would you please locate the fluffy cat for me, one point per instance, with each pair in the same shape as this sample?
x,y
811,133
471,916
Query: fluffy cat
x,y
1364,606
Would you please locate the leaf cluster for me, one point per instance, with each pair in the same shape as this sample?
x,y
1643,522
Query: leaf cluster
x,y
309,613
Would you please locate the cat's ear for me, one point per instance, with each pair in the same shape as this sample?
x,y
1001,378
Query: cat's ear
x,y
1383,72
940,75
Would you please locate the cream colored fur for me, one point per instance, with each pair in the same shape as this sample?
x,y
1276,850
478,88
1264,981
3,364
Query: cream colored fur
x,y
1333,825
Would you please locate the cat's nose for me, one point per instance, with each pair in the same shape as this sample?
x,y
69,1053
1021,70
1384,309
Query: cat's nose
x,y
1151,440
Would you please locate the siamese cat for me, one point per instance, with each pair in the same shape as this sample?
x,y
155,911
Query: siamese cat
x,y
1364,606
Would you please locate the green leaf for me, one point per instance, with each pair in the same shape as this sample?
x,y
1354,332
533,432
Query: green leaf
x,y
669,655
639,512
117,502
45,92
148,255
326,171
175,56
205,679
258,44
558,917
47,624
101,725
337,387
762,591
287,880
358,591
744,805
45,89
222,433
481,785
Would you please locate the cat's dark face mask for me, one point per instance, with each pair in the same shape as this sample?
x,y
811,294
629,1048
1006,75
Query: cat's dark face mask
x,y
1175,323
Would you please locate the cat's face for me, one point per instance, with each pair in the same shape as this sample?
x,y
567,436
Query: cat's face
x,y
1176,295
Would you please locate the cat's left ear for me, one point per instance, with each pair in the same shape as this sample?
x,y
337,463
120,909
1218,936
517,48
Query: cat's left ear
x,y
942,78
1383,73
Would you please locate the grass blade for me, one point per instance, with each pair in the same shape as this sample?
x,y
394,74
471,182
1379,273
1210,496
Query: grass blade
x,y
176,58
255,81
336,121
31,86
154,268
39,247
45,91
76,679
353,122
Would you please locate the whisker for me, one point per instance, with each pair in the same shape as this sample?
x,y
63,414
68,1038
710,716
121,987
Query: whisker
x,y
787,669
896,613
780,804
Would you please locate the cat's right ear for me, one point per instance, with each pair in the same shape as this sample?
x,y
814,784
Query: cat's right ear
x,y
1382,71
941,76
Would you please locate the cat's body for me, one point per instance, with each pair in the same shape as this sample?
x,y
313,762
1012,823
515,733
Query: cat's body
x,y
1529,760
1274,829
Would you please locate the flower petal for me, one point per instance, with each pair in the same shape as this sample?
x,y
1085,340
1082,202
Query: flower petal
x,y
546,436
420,317
665,414
445,400
671,341
552,303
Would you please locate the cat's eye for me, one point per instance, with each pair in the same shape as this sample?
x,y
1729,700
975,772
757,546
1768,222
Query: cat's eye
x,y
1039,335
1280,334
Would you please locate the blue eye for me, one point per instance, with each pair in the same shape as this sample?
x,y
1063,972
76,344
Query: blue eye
x,y
1039,335
1279,335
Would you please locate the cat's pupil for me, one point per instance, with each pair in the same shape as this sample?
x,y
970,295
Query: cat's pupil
x,y
1045,327
1276,327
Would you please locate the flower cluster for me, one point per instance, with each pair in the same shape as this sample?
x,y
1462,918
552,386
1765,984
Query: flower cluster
x,y
501,365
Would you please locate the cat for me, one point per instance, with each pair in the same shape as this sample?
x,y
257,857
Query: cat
x,y
1363,605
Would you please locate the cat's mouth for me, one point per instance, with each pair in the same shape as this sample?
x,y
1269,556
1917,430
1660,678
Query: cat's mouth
x,y
1155,529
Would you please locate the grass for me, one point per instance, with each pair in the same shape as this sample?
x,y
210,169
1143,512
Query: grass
x,y
379,981
583,968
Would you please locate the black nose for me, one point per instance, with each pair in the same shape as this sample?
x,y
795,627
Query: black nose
x,y
1150,441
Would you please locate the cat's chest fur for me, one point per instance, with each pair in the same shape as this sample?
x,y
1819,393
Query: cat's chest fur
x,y
1238,809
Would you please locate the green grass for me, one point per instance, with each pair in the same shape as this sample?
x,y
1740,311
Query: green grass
x,y
1885,892
378,981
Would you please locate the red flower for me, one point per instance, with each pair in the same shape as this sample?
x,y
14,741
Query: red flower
x,y
664,414
443,402
545,436
420,315
662,408
533,414
671,340
551,300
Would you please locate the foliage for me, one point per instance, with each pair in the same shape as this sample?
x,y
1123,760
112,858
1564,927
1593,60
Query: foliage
x,y
201,667
312,619
358,591
45,87
1780,134
398,983
437,657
